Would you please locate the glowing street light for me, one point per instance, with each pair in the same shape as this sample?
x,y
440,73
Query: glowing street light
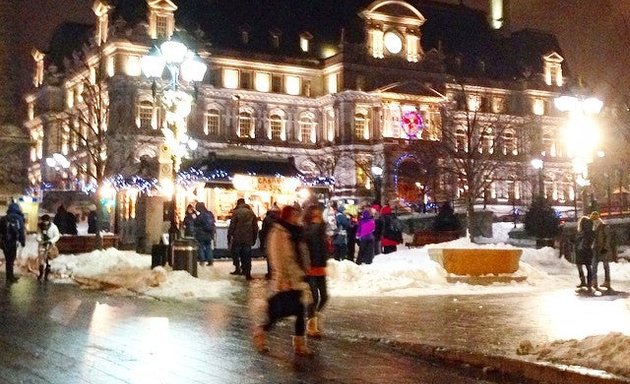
x,y
178,59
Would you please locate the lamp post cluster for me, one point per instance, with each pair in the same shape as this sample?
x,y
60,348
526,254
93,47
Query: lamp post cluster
x,y
59,163
177,104
581,136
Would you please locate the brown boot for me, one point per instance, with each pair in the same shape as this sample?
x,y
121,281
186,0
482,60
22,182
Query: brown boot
x,y
312,327
299,346
260,340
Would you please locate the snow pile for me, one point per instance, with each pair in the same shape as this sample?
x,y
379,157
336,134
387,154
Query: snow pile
x,y
127,272
604,352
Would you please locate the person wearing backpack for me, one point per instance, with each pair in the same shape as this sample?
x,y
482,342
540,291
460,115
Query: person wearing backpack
x,y
12,233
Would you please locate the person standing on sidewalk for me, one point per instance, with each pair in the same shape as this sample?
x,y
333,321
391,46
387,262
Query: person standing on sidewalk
x,y
392,235
272,216
584,251
241,236
12,233
604,249
340,233
317,242
189,221
47,237
289,263
205,229
365,236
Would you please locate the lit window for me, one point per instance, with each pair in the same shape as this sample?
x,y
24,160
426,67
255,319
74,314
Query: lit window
x,y
230,78
330,125
460,140
331,83
360,127
263,82
304,44
275,128
538,107
292,84
474,103
245,125
498,104
212,122
393,43
145,114
132,66
161,26
486,142
307,133
509,144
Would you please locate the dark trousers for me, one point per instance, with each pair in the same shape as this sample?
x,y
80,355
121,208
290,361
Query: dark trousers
x,y
242,258
366,251
589,274
10,253
285,304
319,292
341,250
389,249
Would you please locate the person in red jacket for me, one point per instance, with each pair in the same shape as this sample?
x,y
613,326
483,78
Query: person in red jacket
x,y
391,235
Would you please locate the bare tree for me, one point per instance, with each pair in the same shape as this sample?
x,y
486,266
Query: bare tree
x,y
477,147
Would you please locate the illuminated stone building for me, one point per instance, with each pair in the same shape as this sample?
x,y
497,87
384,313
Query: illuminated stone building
x,y
324,83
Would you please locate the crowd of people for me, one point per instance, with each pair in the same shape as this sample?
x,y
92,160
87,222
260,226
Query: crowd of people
x,y
297,242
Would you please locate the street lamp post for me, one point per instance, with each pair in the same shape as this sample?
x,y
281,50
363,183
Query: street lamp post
x,y
180,62
581,136
377,172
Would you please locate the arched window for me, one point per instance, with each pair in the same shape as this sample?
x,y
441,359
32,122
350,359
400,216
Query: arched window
x,y
307,129
510,144
245,125
486,142
361,126
276,128
330,125
548,144
212,123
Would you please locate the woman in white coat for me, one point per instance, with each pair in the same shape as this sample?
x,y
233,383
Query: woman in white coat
x,y
47,237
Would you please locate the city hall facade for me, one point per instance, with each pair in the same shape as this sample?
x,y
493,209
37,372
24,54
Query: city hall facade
x,y
322,91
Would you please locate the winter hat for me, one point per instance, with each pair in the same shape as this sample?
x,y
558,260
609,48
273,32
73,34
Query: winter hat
x,y
387,210
594,215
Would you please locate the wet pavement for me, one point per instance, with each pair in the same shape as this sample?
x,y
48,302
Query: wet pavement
x,y
52,333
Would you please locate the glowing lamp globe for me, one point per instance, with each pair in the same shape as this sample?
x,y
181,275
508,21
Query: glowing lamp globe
x,y
153,63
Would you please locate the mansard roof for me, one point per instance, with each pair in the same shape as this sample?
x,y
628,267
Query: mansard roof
x,y
460,34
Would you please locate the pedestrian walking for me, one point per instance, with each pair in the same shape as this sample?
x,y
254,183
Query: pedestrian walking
x,y
47,237
205,229
365,237
584,251
272,216
242,234
289,262
189,221
604,249
316,241
12,233
66,221
392,234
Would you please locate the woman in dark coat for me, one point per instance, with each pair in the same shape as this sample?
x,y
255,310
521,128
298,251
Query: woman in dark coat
x,y
584,251
316,240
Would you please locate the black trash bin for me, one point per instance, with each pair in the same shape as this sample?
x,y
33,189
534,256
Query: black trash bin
x,y
159,255
185,256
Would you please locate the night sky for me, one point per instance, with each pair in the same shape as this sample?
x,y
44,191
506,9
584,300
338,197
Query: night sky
x,y
594,35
